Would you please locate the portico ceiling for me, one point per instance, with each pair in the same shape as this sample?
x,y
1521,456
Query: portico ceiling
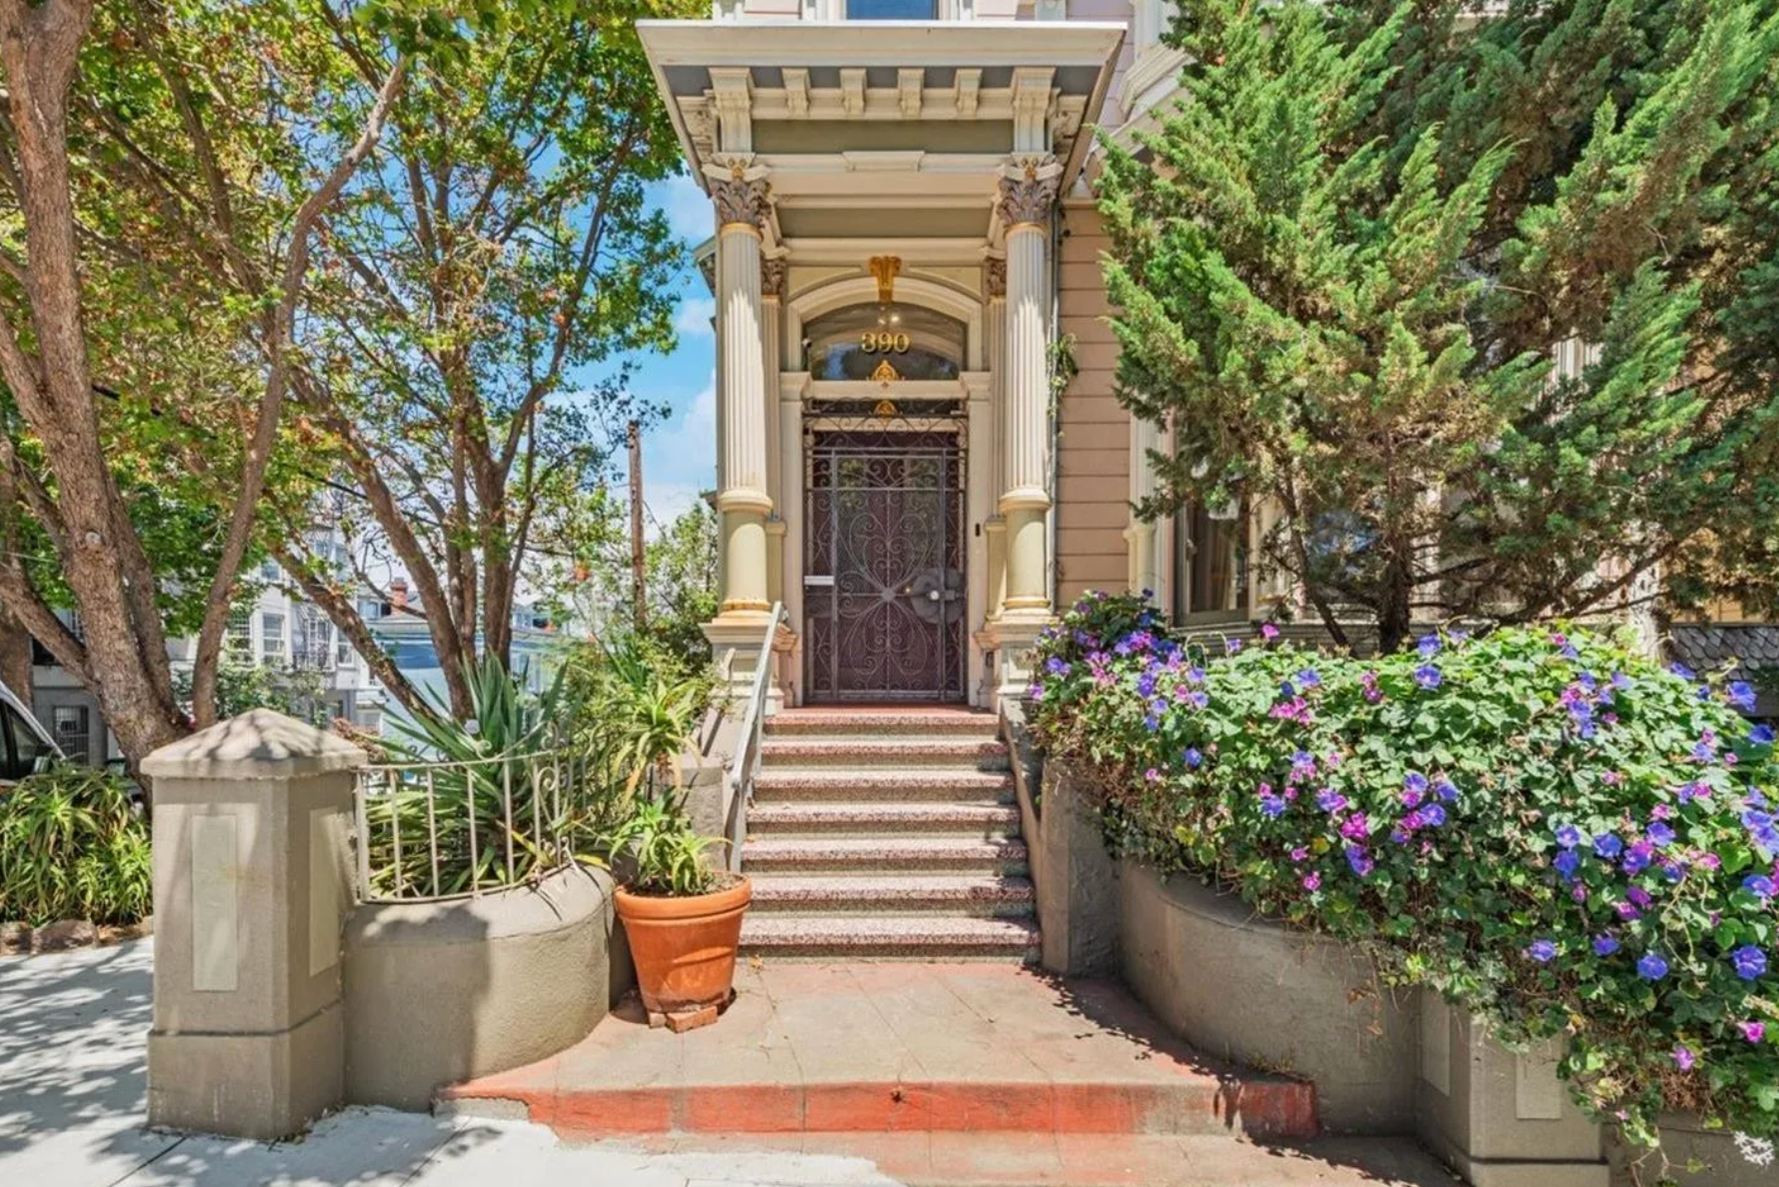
x,y
857,121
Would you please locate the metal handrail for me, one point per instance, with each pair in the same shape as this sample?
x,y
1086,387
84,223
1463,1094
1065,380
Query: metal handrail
x,y
520,815
744,764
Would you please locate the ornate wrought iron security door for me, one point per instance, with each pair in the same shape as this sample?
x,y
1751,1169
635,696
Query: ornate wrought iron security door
x,y
884,585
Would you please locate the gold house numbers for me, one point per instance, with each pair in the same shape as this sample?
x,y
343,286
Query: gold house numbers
x,y
884,342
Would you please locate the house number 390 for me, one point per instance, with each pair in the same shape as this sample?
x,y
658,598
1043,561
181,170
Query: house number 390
x,y
884,342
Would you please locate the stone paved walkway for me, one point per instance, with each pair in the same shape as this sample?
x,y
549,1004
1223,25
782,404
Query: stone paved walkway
x,y
72,1088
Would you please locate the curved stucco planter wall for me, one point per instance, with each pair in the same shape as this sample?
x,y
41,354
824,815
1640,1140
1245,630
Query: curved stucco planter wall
x,y
439,992
1249,991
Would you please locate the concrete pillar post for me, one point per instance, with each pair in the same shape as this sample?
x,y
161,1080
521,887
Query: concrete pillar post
x,y
1028,196
252,885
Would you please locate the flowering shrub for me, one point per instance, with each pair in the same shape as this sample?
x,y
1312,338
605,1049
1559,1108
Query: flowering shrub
x,y
1543,825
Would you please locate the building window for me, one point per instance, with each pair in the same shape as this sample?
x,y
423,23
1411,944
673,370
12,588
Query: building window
x,y
370,720
72,728
1210,560
239,639
892,10
271,637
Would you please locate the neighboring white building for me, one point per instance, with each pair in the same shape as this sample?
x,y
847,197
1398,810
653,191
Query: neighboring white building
x,y
276,629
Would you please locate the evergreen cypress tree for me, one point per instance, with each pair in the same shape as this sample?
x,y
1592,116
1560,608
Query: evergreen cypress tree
x,y
1345,260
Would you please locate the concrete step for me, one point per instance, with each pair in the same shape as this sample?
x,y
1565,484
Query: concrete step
x,y
805,723
893,894
789,784
888,937
902,1050
873,855
882,819
892,752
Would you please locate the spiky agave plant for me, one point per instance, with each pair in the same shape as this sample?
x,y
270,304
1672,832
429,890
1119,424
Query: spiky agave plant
x,y
73,846
639,709
502,799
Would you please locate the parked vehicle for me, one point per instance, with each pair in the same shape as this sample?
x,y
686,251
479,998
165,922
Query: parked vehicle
x,y
25,746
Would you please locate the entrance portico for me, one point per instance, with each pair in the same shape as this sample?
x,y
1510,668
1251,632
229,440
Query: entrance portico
x,y
884,270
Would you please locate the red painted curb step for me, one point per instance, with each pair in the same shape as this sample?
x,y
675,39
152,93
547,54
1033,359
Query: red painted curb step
x,y
1259,1107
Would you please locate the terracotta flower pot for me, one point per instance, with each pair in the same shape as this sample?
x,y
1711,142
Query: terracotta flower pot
x,y
684,948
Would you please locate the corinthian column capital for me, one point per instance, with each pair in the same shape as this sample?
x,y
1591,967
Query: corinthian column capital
x,y
741,193
1028,190
994,276
773,272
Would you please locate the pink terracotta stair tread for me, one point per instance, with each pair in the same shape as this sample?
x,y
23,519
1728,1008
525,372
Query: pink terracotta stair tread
x,y
879,935
903,1048
887,834
892,892
959,816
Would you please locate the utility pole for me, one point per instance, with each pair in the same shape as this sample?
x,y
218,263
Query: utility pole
x,y
637,556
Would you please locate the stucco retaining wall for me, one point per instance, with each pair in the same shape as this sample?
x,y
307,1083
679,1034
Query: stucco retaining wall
x,y
1280,1001
437,993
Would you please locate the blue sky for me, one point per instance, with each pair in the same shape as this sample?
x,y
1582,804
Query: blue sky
x,y
679,457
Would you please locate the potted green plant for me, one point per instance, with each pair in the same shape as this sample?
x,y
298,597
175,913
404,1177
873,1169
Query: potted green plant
x,y
682,918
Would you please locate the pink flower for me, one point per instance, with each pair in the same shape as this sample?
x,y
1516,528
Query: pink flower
x,y
1754,1032
1269,632
1312,882
1684,1058
1152,775
1301,853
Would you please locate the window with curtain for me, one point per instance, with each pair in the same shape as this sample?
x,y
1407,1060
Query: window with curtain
x,y
1210,560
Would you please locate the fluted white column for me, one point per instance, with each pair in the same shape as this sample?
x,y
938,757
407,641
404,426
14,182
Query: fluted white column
x,y
772,287
742,499
993,439
1025,496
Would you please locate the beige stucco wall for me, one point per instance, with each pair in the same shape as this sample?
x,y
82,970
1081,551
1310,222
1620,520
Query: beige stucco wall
x,y
437,993
1093,446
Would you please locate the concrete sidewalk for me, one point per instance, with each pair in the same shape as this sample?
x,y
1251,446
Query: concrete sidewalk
x,y
73,1031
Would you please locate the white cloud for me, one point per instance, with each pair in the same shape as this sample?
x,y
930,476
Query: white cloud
x,y
689,213
693,318
682,457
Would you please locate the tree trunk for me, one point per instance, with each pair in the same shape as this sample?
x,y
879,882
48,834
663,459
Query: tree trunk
x,y
15,657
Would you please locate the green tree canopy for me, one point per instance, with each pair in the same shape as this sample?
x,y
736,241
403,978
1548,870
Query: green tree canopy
x,y
1345,263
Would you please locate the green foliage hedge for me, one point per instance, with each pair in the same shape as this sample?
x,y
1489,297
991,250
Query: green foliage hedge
x,y
72,846
1543,825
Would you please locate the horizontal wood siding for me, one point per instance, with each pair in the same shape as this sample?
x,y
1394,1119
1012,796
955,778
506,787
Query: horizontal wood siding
x,y
1093,448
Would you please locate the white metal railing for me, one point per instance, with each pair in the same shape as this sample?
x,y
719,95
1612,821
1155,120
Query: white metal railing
x,y
440,830
744,765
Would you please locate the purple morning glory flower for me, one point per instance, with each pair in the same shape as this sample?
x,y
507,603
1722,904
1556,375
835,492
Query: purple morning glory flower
x,y
1543,951
1749,962
1057,666
1660,835
1416,782
1199,699
1232,645
1428,677
1309,678
1446,791
1428,646
1608,846
1638,895
1605,945
1433,815
1638,857
1193,757
1741,694
1330,800
1754,1032
1568,836
1567,862
1761,735
1684,1058
1651,967
1760,886
1681,670
1272,807
1360,860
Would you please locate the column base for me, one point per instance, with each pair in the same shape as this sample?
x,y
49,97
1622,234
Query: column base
x,y
735,647
258,1086
1012,638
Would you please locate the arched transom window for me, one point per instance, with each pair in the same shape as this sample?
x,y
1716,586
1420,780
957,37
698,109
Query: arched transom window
x,y
860,341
